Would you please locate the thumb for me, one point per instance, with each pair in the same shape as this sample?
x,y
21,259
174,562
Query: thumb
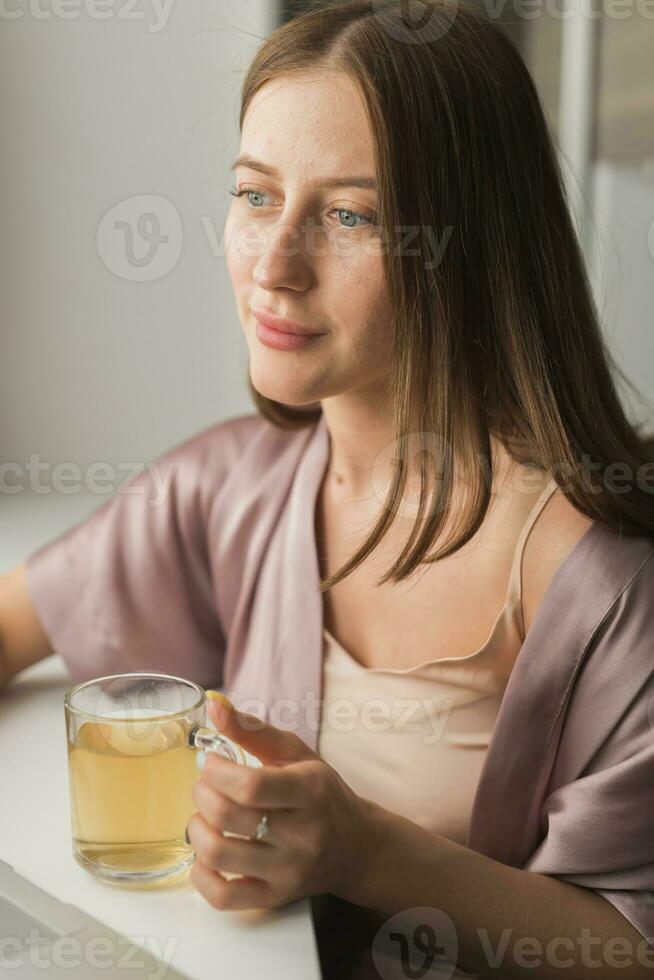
x,y
269,744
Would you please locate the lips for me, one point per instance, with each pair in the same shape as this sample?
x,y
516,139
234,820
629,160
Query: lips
x,y
285,326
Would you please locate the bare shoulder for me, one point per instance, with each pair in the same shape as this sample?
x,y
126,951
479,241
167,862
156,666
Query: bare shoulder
x,y
559,527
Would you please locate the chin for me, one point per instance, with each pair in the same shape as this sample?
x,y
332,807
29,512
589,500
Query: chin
x,y
289,392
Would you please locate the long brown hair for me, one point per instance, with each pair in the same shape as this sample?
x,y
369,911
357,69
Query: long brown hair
x,y
499,339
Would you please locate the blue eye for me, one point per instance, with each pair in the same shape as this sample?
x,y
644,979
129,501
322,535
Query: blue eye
x,y
248,192
369,219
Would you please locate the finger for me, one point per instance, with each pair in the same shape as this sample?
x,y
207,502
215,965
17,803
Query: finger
x,y
230,853
239,893
221,813
265,786
267,742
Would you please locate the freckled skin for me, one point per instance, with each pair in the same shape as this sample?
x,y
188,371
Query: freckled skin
x,y
307,128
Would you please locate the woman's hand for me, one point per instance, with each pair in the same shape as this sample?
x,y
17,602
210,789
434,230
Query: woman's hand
x,y
319,831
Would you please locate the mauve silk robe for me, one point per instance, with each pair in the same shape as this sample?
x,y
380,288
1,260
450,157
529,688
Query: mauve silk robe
x,y
214,578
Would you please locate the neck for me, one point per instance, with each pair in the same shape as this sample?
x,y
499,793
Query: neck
x,y
361,438
364,451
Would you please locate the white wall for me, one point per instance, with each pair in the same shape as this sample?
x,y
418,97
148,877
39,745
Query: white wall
x,y
623,272
93,113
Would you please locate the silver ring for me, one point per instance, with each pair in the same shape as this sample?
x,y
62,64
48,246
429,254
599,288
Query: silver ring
x,y
262,827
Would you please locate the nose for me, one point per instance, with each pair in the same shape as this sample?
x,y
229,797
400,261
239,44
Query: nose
x,y
283,260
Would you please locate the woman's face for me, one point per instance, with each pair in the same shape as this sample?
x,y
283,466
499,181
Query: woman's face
x,y
302,248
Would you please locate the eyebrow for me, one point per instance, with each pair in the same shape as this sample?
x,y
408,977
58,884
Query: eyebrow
x,y
349,181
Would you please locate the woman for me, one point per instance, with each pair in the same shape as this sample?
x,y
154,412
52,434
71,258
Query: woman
x,y
431,471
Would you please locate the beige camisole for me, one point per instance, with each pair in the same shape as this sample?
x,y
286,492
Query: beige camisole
x,y
414,740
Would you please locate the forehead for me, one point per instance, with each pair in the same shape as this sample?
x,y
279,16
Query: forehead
x,y
309,123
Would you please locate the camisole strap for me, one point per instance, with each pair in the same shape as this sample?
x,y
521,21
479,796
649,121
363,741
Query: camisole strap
x,y
515,581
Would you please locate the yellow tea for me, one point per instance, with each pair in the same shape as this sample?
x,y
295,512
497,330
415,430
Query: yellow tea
x,y
131,777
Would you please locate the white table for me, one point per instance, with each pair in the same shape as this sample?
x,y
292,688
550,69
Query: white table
x,y
35,832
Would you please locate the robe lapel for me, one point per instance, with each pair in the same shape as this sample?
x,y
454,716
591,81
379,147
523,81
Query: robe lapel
x,y
505,822
299,638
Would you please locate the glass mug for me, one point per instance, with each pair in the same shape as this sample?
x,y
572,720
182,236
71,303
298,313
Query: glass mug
x,y
132,741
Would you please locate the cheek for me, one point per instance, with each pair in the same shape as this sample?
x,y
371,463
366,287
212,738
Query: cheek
x,y
233,259
362,300
240,251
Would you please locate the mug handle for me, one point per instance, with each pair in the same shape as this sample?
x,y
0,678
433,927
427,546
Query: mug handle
x,y
200,737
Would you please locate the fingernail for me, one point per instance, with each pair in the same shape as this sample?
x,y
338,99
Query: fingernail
x,y
200,759
217,696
